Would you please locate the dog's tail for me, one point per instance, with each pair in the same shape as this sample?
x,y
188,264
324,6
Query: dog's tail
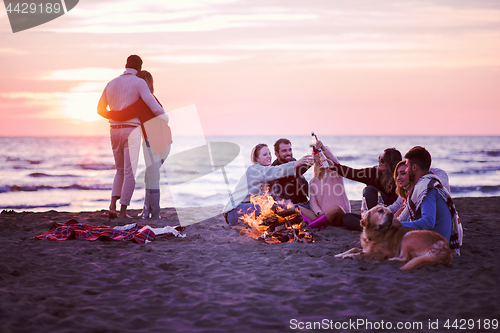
x,y
439,254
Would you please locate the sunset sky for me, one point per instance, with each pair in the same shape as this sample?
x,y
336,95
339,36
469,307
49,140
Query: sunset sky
x,y
344,67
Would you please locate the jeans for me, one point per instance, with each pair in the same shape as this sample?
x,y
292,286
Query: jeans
x,y
352,221
370,193
305,205
126,144
242,209
153,165
371,196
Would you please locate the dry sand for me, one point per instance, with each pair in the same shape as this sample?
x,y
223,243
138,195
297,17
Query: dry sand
x,y
216,280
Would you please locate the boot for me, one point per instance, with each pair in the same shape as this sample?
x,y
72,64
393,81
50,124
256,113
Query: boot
x,y
154,204
146,209
320,221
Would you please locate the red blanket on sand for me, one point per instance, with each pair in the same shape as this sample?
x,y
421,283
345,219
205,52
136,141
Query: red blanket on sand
x,y
73,229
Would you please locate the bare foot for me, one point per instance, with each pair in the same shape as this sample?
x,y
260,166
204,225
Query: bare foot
x,y
112,204
123,212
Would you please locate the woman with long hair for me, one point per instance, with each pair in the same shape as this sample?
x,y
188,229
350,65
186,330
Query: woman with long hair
x,y
328,198
403,187
379,179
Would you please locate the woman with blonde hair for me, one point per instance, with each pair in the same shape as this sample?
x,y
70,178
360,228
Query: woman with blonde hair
x,y
403,187
328,198
256,181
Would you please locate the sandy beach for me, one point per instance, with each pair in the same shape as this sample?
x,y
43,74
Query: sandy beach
x,y
216,280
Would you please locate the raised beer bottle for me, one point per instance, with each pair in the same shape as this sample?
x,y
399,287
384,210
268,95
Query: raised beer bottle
x,y
364,207
316,150
380,201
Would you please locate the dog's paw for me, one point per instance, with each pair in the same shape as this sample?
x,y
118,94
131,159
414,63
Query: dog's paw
x,y
354,252
398,259
351,256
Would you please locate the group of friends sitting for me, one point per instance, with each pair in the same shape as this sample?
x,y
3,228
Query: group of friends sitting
x,y
417,195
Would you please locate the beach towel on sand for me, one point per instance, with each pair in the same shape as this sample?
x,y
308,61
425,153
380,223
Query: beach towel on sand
x,y
132,232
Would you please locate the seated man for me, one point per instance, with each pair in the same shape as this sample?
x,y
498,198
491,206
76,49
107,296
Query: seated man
x,y
429,203
294,188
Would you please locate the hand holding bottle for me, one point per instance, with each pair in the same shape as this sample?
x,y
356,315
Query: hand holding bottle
x,y
316,146
307,159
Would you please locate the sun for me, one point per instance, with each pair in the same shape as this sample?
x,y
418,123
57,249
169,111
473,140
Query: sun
x,y
81,105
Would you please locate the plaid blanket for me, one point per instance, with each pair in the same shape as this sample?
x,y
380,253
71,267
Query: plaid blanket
x,y
72,229
416,197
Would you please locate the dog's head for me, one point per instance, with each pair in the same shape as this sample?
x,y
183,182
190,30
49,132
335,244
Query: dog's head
x,y
377,219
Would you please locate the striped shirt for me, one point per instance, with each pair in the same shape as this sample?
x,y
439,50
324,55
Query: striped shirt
x,y
126,90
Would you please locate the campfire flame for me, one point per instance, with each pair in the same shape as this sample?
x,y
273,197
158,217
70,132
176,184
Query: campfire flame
x,y
278,222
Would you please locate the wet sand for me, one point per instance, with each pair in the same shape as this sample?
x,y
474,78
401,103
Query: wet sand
x,y
216,280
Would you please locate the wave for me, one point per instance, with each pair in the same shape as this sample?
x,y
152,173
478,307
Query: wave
x,y
17,159
480,188
82,187
35,206
491,152
34,188
96,166
477,171
478,152
20,167
41,174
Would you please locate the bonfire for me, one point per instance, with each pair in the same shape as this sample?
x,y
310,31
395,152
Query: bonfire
x,y
278,222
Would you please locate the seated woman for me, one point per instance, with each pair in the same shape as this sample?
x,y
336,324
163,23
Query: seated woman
x,y
403,188
378,179
256,180
328,199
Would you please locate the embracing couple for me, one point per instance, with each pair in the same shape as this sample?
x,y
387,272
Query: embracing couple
x,y
134,110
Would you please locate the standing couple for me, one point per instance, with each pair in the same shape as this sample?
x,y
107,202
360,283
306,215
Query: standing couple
x,y
133,109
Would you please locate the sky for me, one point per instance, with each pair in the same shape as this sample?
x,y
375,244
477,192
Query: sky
x,y
255,67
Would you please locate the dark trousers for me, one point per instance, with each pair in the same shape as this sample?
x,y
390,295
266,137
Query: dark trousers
x,y
370,193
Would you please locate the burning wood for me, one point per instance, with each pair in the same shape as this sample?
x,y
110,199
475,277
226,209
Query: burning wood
x,y
278,222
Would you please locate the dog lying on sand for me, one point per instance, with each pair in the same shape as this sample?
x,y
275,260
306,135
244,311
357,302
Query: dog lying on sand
x,y
383,238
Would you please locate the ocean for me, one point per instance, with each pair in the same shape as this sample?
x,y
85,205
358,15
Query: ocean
x,y
76,173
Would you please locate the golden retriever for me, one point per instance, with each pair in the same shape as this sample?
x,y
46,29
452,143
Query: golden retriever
x,y
384,237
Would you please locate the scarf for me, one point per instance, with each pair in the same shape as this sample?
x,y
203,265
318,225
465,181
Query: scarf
x,y
416,197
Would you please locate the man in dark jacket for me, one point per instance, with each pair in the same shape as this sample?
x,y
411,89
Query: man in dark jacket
x,y
296,188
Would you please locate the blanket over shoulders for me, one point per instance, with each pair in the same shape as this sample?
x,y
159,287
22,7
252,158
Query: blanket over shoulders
x,y
417,196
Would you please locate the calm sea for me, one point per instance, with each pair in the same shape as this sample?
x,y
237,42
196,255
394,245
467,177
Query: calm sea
x,y
76,173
